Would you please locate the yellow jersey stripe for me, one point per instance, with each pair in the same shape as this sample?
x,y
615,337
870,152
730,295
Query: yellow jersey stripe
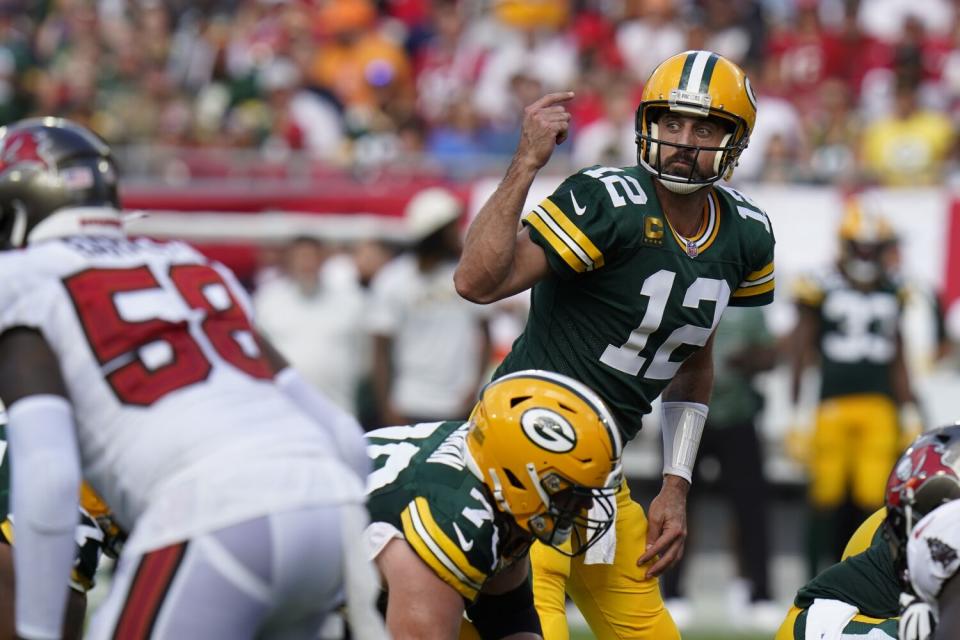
x,y
433,556
6,527
536,221
715,219
756,275
862,618
709,228
583,242
756,290
449,547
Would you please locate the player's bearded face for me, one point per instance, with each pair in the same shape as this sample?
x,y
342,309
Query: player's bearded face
x,y
690,132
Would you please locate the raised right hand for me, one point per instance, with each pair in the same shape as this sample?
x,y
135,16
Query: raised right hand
x,y
545,125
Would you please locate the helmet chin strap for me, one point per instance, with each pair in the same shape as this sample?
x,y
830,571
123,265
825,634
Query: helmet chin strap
x,y
683,188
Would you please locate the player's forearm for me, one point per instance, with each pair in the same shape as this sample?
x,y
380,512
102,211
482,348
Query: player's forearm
x,y
693,382
489,250
41,435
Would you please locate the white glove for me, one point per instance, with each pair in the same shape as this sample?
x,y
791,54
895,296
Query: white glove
x,y
917,618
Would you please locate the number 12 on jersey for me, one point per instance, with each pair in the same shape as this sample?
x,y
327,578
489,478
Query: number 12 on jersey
x,y
657,288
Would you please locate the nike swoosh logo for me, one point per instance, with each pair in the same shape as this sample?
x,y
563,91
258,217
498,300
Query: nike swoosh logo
x,y
577,209
466,546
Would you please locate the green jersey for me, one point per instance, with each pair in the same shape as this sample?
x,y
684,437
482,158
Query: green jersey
x,y
422,486
628,299
857,338
867,580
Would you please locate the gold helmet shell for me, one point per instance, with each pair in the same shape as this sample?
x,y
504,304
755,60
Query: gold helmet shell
x,y
548,449
865,239
702,84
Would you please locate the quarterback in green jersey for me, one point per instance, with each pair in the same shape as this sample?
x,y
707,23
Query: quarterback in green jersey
x,y
630,270
454,506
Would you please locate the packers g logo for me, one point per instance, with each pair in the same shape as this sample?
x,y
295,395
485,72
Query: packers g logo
x,y
548,430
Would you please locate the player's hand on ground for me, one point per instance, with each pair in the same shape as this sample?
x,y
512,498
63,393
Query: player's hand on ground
x,y
917,620
545,125
666,526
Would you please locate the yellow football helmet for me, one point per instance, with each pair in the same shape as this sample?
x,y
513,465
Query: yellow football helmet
x,y
697,83
548,450
865,235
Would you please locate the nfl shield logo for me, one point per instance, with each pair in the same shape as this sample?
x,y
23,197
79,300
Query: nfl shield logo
x,y
692,249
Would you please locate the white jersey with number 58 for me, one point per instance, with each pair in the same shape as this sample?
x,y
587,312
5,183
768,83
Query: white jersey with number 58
x,y
180,426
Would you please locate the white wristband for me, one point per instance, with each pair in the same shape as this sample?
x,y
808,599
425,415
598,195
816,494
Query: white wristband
x,y
681,425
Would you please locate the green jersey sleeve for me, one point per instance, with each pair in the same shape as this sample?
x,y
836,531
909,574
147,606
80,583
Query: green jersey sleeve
x,y
577,224
459,551
759,281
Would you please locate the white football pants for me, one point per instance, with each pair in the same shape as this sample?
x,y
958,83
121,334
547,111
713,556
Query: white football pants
x,y
277,576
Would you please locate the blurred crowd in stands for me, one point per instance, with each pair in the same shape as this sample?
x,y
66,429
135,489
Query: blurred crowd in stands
x,y
849,90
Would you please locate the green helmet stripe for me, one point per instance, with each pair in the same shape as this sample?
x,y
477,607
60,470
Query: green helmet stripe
x,y
687,68
708,73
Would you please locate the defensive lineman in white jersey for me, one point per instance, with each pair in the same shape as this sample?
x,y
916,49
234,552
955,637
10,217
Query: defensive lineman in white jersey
x,y
923,529
933,561
133,363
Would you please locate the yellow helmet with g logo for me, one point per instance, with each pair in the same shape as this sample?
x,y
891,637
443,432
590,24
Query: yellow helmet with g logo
x,y
702,84
548,450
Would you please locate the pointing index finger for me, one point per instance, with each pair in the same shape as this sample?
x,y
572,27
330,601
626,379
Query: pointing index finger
x,y
552,99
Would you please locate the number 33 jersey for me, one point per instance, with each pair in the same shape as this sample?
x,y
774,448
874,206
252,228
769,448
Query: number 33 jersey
x,y
858,332
180,426
628,299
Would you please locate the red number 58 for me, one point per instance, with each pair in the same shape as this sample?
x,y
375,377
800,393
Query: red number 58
x,y
117,342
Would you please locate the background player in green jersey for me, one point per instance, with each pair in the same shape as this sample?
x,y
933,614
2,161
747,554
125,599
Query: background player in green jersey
x,y
849,325
455,505
630,269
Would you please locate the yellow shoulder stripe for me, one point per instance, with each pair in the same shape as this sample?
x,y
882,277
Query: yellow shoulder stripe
x,y
756,275
567,240
575,234
438,551
535,221
746,292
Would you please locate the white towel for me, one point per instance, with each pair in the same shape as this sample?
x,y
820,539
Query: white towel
x,y
827,618
605,549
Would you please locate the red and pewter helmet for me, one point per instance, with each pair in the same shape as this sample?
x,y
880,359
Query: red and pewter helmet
x,y
54,166
926,476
